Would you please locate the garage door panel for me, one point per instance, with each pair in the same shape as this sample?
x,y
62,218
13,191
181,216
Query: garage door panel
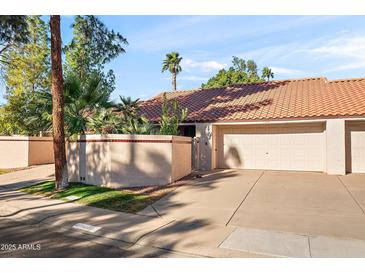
x,y
298,139
274,147
312,165
356,147
275,139
259,139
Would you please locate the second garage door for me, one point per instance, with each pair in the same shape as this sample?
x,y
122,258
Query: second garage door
x,y
355,147
278,147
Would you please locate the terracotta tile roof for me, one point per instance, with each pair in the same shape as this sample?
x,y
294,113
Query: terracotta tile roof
x,y
285,99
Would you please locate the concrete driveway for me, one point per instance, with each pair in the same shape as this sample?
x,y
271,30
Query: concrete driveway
x,y
304,203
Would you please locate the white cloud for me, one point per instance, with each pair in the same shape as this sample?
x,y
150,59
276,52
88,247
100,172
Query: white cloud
x,y
320,56
169,34
350,50
282,70
344,46
354,65
207,30
279,52
204,65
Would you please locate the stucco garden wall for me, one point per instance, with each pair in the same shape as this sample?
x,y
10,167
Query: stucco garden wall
x,y
122,160
181,157
23,151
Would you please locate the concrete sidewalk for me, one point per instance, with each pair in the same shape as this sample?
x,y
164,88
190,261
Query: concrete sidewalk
x,y
47,243
25,177
284,244
124,230
188,236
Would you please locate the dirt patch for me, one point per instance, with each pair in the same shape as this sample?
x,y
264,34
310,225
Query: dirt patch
x,y
8,170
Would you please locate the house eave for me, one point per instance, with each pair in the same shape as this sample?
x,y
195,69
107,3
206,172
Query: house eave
x,y
281,120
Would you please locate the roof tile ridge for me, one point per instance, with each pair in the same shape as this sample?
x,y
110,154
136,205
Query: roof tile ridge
x,y
181,90
172,92
347,80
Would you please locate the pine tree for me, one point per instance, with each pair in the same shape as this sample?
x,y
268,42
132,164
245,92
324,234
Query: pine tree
x,y
93,45
28,68
26,74
13,31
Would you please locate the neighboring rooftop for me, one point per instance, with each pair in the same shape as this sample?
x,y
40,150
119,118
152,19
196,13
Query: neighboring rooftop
x,y
284,99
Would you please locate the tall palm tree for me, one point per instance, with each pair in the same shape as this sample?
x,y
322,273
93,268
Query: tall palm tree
x,y
172,64
61,173
267,73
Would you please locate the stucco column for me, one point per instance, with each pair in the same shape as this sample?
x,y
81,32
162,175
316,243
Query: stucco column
x,y
204,131
336,147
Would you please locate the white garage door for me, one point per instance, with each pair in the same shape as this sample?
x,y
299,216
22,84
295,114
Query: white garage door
x,y
299,147
356,147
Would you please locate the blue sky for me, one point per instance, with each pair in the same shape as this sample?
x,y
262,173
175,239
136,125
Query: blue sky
x,y
293,46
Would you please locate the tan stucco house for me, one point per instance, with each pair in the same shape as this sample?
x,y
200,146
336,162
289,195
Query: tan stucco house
x,y
310,124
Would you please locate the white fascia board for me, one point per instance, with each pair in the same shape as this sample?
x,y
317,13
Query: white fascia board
x,y
275,121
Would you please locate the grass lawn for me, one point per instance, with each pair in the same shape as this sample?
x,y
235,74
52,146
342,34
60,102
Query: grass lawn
x,y
131,200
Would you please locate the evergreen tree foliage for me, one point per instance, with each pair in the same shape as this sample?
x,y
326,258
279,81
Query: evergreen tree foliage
x,y
241,72
28,64
93,46
13,31
27,80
